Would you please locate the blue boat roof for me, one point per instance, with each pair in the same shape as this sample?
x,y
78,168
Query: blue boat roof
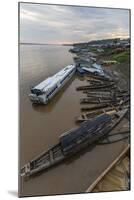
x,y
88,127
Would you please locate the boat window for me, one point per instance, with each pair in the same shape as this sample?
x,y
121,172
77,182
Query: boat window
x,y
66,76
52,91
60,82
36,91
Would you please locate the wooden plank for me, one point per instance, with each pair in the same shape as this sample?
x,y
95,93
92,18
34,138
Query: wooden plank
x,y
51,156
121,155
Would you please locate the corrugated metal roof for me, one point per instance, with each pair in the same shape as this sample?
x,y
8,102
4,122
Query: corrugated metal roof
x,y
51,81
97,66
87,128
92,70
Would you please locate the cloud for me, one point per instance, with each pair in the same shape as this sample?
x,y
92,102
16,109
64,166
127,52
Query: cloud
x,y
52,23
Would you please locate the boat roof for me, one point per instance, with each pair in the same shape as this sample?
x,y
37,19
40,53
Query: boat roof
x,y
88,127
95,65
51,81
89,69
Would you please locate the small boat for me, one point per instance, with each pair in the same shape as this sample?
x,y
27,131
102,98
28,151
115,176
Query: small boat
x,y
74,50
79,71
82,60
94,71
43,92
98,93
96,66
122,95
101,90
95,82
99,100
99,77
87,87
86,116
125,100
73,141
101,106
96,96
99,82
107,95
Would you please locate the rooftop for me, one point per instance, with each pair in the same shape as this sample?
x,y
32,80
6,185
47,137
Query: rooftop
x,y
51,81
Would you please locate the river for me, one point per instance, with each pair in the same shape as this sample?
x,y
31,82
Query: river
x,y
41,126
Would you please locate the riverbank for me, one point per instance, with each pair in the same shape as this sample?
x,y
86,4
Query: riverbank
x,y
47,123
115,61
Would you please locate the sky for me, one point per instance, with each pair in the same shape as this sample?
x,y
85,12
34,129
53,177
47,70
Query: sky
x,y
55,24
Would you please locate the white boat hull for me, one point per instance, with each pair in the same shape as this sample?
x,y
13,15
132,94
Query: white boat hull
x,y
43,99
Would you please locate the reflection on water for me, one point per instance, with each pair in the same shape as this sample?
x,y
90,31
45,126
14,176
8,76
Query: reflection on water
x,y
41,126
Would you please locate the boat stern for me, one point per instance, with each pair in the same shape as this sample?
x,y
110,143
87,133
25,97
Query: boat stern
x,y
41,99
25,170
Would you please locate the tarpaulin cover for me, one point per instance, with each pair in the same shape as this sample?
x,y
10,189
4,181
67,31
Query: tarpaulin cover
x,y
87,128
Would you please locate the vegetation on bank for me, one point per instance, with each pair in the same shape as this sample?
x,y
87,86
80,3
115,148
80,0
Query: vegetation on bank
x,y
93,49
122,57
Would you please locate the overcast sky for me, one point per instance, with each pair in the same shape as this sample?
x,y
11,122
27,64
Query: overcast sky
x,y
40,23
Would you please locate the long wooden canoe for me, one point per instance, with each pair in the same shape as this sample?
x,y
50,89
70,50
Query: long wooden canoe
x,y
73,141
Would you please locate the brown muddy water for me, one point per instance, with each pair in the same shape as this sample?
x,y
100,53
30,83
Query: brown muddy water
x,y
41,126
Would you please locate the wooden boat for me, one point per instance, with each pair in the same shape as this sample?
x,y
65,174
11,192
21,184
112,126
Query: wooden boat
x,y
73,141
112,89
99,100
97,96
96,107
95,87
122,95
115,175
103,78
79,71
96,100
125,100
99,82
105,94
107,89
95,81
98,93
86,116
43,161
